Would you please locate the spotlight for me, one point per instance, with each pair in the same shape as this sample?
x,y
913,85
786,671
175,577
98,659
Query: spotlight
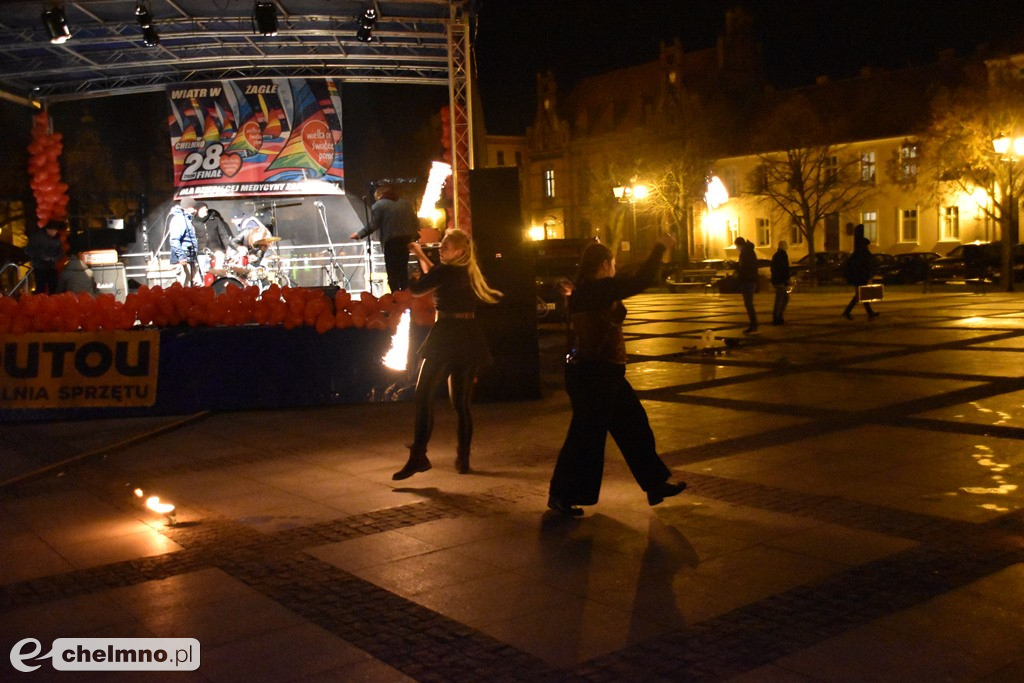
x,y
56,25
150,38
366,23
143,16
264,17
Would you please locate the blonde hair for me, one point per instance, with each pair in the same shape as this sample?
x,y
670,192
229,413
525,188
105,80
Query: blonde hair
x,y
461,240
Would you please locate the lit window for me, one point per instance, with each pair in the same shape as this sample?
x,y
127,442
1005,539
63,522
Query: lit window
x,y
869,219
764,232
549,183
908,161
867,168
908,225
732,226
759,180
501,158
951,223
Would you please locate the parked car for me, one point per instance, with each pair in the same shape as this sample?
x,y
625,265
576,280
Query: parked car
x,y
909,268
883,265
974,261
700,274
828,267
556,262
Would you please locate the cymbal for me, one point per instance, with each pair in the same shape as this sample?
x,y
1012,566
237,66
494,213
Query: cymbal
x,y
267,241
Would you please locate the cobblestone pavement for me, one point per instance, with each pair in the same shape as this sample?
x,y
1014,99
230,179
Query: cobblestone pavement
x,y
853,514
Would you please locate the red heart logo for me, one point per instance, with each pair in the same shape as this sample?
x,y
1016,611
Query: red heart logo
x,y
318,140
230,163
253,134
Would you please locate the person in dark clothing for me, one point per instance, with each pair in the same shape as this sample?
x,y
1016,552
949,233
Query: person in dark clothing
x,y
77,277
212,231
44,250
746,273
780,281
396,221
602,399
454,348
858,270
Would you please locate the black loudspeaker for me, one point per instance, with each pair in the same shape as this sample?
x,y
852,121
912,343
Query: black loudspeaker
x,y
111,279
494,206
510,327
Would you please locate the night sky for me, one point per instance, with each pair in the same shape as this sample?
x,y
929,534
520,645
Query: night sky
x,y
800,39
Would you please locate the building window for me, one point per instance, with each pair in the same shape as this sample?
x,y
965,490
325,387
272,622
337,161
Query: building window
x,y
549,183
867,168
764,232
908,162
830,170
728,178
869,219
796,235
908,225
732,227
950,223
501,158
519,158
759,180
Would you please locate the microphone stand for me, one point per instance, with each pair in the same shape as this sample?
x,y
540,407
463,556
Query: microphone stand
x,y
333,266
369,247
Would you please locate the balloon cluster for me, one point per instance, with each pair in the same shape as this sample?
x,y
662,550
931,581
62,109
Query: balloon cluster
x,y
50,193
201,306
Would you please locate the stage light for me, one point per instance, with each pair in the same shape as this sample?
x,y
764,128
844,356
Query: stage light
x,y
150,38
143,16
264,17
366,23
56,25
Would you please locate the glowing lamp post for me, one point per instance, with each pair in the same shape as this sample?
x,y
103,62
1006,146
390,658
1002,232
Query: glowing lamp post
x,y
1010,150
631,194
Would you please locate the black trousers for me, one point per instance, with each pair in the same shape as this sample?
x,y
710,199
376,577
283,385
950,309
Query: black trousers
x,y
603,403
853,302
781,299
396,261
747,290
460,391
46,279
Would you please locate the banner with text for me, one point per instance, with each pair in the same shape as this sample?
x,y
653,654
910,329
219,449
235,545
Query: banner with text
x,y
76,370
270,136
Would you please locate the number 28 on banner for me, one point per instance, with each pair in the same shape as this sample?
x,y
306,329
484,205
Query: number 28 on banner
x,y
205,164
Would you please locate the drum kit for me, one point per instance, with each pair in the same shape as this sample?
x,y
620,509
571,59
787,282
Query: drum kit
x,y
257,263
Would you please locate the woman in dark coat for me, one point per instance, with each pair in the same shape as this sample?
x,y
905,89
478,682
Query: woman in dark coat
x,y
602,399
454,348
859,269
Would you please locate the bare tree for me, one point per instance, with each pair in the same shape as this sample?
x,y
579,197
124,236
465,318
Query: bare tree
x,y
810,177
957,152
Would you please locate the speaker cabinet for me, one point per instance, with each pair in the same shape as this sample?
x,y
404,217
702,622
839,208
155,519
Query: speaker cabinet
x,y
111,279
496,215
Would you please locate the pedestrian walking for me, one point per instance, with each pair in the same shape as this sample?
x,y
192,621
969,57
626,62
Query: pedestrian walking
x,y
858,271
746,273
780,281
454,348
603,402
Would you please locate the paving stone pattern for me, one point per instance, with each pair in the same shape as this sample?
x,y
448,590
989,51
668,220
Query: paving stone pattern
x,y
951,544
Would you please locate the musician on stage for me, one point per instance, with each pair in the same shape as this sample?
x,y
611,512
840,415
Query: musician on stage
x,y
398,225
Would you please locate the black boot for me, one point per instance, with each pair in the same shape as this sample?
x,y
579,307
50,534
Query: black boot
x,y
665,490
462,461
417,463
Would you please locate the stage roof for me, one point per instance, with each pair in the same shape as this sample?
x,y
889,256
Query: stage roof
x,y
216,39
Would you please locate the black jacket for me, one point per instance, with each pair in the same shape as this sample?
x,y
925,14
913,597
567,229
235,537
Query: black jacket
x,y
213,233
860,266
780,268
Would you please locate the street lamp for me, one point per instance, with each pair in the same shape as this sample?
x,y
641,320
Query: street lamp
x,y
631,194
1010,150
